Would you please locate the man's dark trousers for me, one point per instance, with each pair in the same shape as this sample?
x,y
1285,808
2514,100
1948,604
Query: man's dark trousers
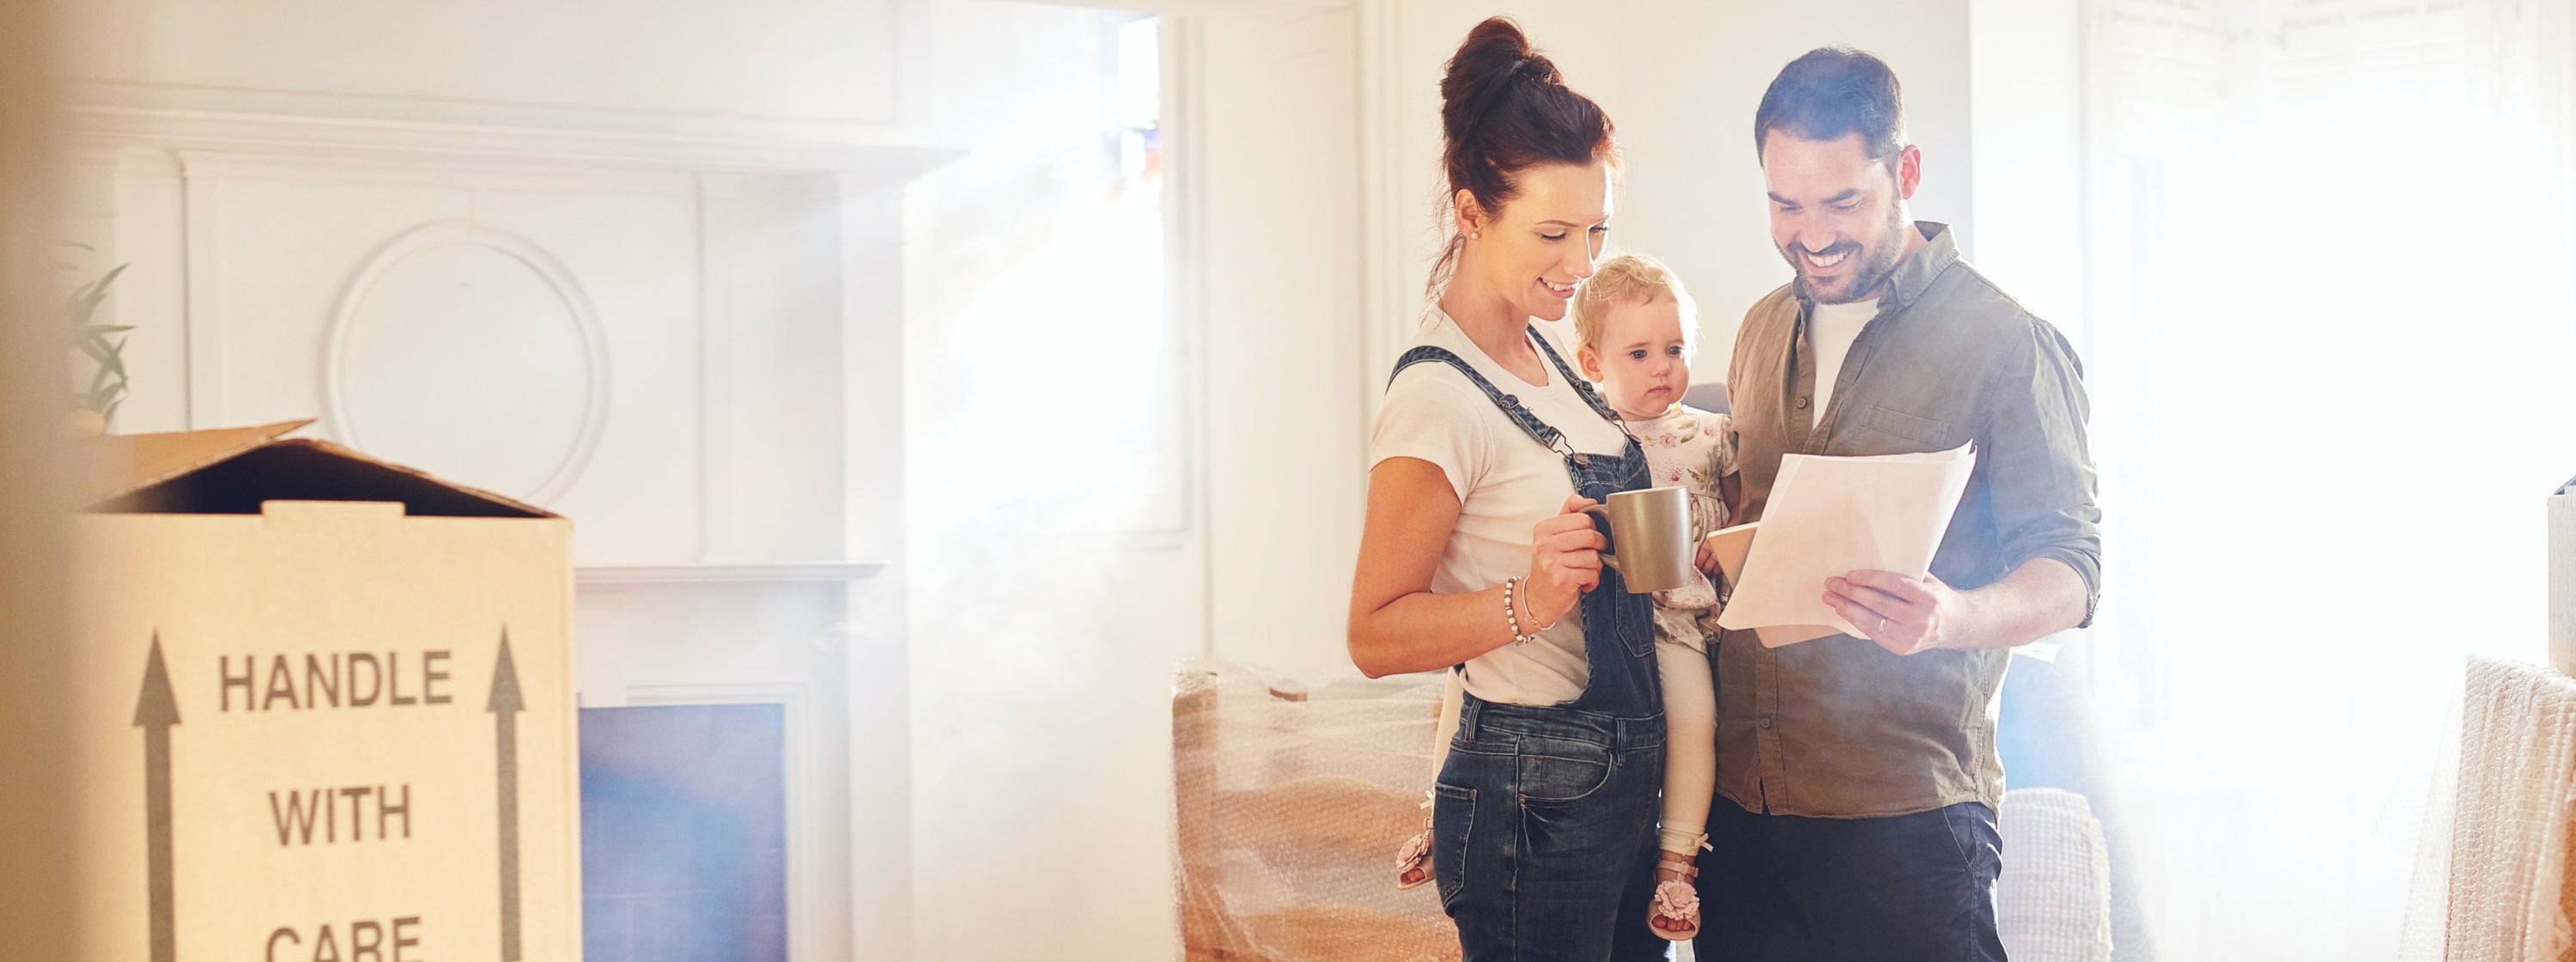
x,y
1776,888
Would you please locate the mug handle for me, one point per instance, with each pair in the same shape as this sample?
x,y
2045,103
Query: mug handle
x,y
1602,511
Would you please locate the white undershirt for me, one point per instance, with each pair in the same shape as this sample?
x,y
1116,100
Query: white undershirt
x,y
1831,329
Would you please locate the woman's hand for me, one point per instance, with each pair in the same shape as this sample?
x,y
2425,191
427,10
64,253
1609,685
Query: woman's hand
x,y
1565,562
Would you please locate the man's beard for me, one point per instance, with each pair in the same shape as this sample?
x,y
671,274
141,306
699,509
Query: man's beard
x,y
1872,273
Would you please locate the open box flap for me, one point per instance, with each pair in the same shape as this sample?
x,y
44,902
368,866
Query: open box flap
x,y
235,470
120,464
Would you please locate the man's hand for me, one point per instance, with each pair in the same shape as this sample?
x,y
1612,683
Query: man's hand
x,y
1903,615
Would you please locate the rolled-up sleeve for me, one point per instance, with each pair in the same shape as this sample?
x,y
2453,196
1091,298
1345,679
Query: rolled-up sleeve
x,y
2039,468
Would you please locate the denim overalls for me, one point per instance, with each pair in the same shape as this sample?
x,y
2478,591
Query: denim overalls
x,y
1543,820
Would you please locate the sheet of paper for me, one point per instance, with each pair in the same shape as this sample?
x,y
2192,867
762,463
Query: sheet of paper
x,y
1730,545
1829,516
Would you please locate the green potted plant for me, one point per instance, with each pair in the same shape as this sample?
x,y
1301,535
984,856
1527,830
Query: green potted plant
x,y
94,407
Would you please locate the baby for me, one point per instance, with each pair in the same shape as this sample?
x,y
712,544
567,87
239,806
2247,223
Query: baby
x,y
1637,327
1638,330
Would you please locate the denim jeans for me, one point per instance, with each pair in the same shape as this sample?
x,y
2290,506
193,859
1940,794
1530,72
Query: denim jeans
x,y
1544,834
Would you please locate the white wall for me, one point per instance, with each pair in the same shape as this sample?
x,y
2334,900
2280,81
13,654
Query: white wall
x,y
2027,116
1286,384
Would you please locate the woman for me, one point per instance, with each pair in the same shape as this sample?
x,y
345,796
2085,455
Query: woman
x,y
1476,556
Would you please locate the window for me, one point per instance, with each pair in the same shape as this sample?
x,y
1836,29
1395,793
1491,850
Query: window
x,y
2329,242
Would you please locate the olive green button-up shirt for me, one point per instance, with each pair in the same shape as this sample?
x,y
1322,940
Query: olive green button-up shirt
x,y
1838,727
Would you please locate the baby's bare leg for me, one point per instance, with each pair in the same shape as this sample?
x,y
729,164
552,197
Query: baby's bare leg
x,y
1690,748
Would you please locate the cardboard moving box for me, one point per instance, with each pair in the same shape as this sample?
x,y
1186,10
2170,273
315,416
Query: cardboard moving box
x,y
325,709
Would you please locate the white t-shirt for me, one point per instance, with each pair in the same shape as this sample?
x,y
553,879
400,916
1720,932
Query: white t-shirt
x,y
1506,484
1831,331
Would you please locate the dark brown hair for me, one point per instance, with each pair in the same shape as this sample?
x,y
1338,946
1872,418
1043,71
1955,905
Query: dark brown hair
x,y
1504,108
1831,93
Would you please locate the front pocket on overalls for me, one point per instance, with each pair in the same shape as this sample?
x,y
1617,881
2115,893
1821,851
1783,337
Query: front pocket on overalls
x,y
1561,771
1453,823
1637,625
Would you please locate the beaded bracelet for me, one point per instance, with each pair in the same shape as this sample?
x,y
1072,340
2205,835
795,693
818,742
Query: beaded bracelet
x,y
1511,615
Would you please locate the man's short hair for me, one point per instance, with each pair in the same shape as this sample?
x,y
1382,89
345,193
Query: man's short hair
x,y
1830,93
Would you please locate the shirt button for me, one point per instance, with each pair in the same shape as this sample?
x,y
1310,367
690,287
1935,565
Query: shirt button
x,y
1802,404
1766,721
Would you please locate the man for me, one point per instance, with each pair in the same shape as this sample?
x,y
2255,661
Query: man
x,y
1857,777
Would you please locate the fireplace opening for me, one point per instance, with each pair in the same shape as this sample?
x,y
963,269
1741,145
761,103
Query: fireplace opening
x,y
684,833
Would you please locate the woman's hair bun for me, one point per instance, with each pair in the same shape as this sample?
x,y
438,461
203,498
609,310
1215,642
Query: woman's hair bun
x,y
1495,58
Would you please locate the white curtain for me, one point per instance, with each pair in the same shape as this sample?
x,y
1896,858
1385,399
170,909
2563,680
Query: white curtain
x,y
2333,356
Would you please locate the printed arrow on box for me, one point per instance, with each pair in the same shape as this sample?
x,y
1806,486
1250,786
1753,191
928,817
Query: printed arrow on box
x,y
155,711
505,705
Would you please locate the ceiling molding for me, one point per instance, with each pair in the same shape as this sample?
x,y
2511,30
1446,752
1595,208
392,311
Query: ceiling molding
x,y
712,145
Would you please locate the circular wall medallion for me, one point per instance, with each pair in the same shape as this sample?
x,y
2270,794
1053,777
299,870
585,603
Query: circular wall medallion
x,y
472,352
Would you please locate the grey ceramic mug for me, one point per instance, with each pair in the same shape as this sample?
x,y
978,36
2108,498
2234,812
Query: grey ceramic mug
x,y
1651,532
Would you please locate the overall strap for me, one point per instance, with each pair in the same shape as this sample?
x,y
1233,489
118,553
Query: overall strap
x,y
1547,437
1581,386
